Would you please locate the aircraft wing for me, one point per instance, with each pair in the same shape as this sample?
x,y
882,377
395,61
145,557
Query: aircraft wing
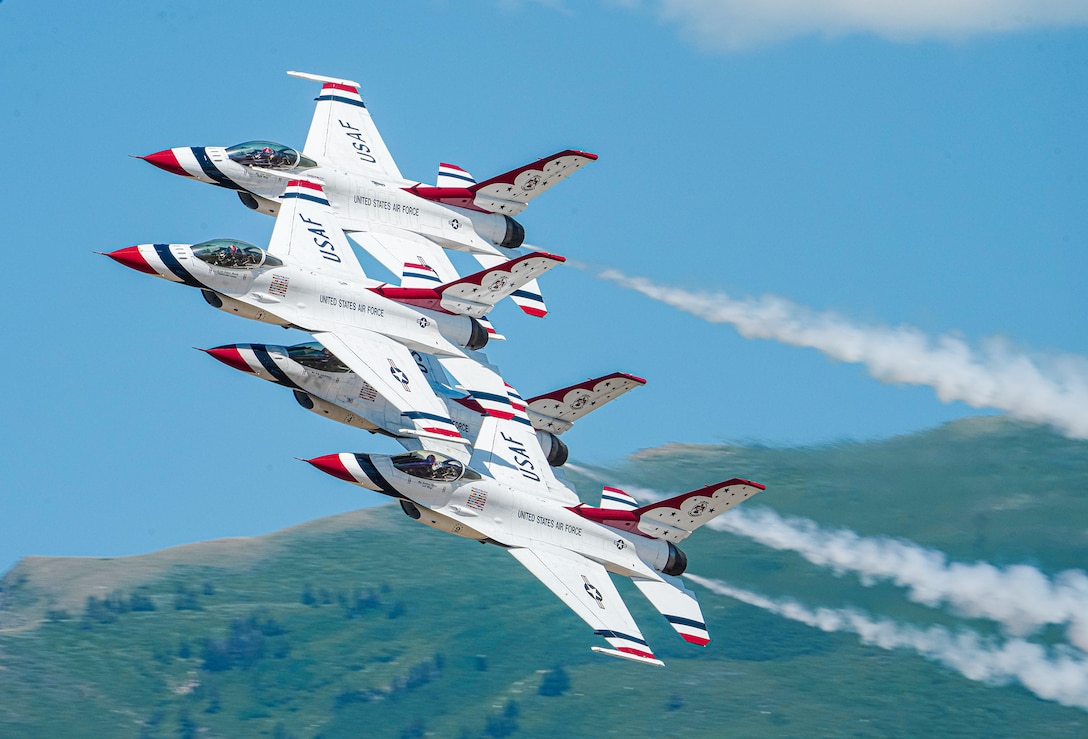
x,y
394,250
678,605
585,586
390,370
342,131
558,410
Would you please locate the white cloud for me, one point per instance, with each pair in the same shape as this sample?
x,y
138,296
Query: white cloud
x,y
1059,674
1052,391
737,24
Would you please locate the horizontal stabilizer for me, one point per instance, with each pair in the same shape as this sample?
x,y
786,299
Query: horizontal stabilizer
x,y
489,286
674,519
528,296
511,191
558,410
478,293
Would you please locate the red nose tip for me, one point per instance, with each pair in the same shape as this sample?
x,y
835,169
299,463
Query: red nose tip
x,y
230,356
331,464
166,160
130,256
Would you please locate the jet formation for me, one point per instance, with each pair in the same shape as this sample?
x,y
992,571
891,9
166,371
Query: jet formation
x,y
404,360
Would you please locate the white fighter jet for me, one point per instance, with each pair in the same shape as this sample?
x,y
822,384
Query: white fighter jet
x,y
309,278
508,495
326,386
396,220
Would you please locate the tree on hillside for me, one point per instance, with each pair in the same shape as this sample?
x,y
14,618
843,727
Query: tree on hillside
x,y
555,682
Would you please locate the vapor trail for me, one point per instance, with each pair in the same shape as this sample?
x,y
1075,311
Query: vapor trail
x,y
1058,674
1019,597
994,376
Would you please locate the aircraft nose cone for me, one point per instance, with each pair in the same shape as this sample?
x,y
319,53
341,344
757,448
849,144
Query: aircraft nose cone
x,y
230,356
166,160
130,256
331,464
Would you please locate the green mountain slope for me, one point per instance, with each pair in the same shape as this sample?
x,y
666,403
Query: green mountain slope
x,y
368,624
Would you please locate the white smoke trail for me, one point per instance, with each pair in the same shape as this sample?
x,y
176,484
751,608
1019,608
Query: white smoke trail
x,y
995,376
1058,674
1019,597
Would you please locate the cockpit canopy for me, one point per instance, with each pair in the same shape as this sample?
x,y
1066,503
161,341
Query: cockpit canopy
x,y
315,356
430,465
269,155
234,254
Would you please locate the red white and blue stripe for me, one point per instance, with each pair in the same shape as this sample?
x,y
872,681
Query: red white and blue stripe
x,y
419,274
617,499
335,92
517,405
305,190
450,175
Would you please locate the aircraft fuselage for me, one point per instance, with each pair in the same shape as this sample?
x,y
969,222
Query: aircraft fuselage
x,y
285,294
486,509
361,202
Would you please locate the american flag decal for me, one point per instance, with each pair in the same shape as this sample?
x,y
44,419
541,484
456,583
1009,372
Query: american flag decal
x,y
278,286
367,392
476,499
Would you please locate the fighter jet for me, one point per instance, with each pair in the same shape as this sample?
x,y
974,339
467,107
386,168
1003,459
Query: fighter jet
x,y
507,495
309,278
396,220
324,385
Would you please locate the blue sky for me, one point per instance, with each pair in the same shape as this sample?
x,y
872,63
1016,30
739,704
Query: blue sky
x,y
916,173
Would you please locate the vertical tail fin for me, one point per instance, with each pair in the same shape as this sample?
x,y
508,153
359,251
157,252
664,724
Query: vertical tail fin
x,y
419,274
307,231
492,332
450,175
616,499
342,131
